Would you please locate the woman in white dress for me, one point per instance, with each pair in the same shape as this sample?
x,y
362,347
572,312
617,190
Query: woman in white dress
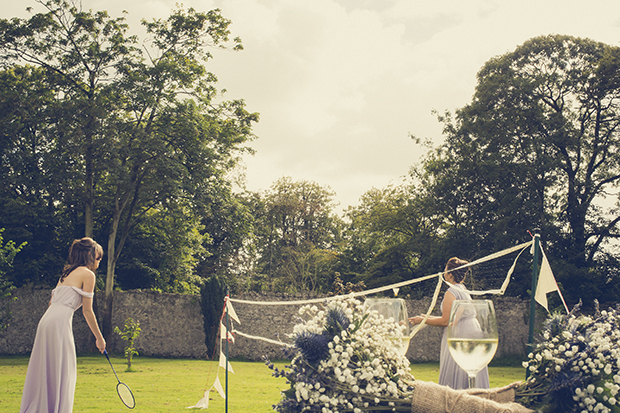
x,y
52,370
450,373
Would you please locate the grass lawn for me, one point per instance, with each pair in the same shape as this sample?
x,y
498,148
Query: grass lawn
x,y
171,385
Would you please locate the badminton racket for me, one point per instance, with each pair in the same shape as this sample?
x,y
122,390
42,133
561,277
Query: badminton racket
x,y
123,390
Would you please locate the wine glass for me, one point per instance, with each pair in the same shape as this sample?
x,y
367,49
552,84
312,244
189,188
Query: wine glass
x,y
393,309
472,335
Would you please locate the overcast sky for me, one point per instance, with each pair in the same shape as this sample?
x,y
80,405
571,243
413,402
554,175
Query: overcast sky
x,y
341,84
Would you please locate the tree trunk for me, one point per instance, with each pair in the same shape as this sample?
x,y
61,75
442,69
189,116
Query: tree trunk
x,y
88,202
106,325
109,281
89,181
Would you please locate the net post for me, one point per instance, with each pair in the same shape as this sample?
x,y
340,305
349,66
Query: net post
x,y
530,341
227,330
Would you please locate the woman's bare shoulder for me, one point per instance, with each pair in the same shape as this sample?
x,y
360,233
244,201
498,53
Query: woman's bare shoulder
x,y
78,277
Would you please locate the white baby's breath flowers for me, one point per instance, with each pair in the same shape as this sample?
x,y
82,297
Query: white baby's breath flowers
x,y
360,368
580,355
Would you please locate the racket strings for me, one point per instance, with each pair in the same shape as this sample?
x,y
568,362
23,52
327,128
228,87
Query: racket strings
x,y
125,394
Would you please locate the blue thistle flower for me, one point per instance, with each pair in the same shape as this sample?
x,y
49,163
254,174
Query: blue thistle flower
x,y
555,324
336,321
314,347
566,380
576,309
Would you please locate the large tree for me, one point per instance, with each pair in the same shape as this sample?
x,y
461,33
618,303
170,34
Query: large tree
x,y
229,222
139,128
296,232
77,52
538,146
390,237
29,193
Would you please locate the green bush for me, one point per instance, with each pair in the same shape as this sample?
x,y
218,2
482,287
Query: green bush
x,y
212,295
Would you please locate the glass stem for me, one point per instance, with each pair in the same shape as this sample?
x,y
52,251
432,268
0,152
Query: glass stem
x,y
472,381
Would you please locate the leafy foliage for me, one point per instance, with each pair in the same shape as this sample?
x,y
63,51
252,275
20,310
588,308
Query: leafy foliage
x,y
8,251
537,147
163,252
296,233
131,331
133,146
229,223
123,137
389,238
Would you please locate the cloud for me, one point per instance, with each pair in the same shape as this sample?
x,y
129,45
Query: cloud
x,y
334,74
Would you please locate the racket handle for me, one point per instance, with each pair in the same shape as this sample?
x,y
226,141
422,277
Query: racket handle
x,y
105,352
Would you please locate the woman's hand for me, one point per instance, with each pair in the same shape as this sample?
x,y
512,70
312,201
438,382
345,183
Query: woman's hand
x,y
101,344
416,320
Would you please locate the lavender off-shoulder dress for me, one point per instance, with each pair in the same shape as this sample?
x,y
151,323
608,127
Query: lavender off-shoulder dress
x,y
450,373
52,370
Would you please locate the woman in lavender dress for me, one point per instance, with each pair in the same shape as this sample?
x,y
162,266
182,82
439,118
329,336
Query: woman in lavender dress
x,y
52,370
450,373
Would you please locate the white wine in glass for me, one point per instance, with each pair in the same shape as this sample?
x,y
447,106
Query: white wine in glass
x,y
472,335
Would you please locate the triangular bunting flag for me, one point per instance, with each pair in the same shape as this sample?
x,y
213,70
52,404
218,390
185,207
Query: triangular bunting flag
x,y
223,363
219,388
224,333
202,403
546,283
231,311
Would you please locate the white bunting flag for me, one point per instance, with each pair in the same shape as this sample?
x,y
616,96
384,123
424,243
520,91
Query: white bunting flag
x,y
231,311
202,403
546,283
223,363
219,388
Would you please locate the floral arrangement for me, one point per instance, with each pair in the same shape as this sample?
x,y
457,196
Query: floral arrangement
x,y
577,366
344,360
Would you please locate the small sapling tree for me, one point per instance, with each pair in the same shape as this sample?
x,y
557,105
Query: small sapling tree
x,y
129,334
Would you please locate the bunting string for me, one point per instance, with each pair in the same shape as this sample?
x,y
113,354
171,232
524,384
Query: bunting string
x,y
546,283
440,279
402,283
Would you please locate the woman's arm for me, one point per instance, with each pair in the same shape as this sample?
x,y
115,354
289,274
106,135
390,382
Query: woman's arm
x,y
87,309
438,321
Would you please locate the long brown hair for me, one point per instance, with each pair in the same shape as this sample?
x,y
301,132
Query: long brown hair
x,y
458,275
82,253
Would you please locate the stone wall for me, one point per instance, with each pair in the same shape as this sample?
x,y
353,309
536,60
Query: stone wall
x,y
276,321
172,325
